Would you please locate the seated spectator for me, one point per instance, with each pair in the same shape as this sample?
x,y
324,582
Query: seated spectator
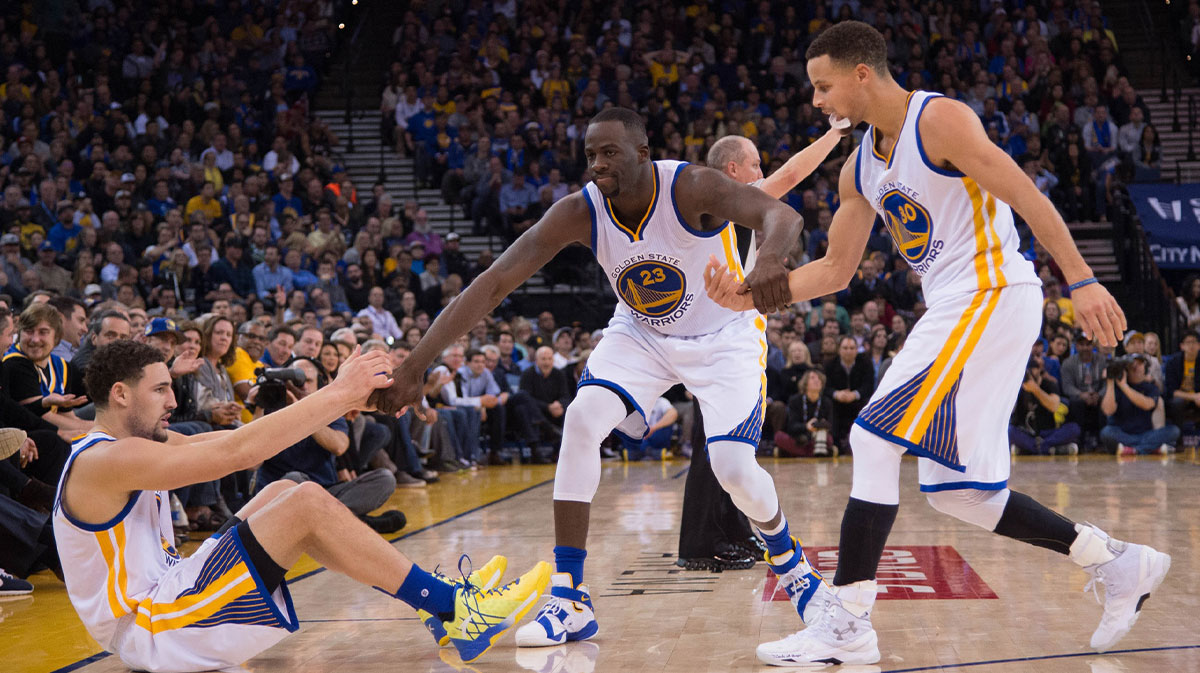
x,y
214,391
462,412
475,382
551,392
661,421
852,381
809,419
383,322
1129,401
314,459
1035,427
1083,384
1182,382
45,384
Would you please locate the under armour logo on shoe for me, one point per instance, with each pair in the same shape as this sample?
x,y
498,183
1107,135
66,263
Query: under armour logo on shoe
x,y
841,633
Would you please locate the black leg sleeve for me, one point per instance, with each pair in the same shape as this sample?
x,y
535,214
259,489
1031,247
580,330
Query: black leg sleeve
x,y
865,530
1031,522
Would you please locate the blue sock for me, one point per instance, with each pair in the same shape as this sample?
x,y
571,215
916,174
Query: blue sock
x,y
780,542
570,560
423,591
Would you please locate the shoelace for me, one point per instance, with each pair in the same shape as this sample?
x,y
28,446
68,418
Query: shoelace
x,y
1098,577
4,575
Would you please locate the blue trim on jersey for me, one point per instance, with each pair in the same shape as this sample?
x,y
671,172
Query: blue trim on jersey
x,y
289,622
921,146
592,213
635,235
588,380
858,171
910,448
729,438
962,485
92,527
679,216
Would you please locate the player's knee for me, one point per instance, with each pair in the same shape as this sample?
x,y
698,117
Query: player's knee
x,y
976,507
277,488
733,469
309,496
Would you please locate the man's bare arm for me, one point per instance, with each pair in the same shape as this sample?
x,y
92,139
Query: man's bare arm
x,y
135,464
800,165
568,221
848,234
704,191
951,132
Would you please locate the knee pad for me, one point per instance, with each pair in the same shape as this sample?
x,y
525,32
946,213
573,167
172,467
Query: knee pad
x,y
748,485
876,467
981,508
590,418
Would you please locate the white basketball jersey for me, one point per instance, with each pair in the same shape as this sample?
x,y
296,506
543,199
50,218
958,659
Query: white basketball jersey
x,y
954,234
109,568
656,265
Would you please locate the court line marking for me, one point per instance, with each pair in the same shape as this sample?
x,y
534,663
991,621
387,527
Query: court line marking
x,y
1074,655
101,655
681,472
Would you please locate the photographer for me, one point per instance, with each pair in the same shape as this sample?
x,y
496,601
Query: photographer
x,y
1129,401
1034,428
809,419
313,459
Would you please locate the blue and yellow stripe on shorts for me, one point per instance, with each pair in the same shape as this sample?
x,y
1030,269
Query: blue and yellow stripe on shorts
x,y
227,590
920,414
748,431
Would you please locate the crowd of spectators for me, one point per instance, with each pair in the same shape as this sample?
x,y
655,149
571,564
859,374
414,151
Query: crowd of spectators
x,y
164,180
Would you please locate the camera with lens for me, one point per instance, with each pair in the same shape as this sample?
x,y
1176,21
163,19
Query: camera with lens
x,y
1117,368
272,386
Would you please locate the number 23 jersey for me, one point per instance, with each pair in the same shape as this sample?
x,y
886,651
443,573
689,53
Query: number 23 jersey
x,y
656,264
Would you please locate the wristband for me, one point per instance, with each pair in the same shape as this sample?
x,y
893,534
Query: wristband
x,y
1082,283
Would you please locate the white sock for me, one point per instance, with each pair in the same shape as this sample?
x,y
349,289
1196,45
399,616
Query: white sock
x,y
858,598
1091,547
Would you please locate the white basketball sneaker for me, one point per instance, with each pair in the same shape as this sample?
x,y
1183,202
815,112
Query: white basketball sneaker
x,y
577,658
566,617
839,632
1135,571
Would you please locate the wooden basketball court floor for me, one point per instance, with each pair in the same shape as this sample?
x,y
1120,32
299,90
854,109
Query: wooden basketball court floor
x,y
964,599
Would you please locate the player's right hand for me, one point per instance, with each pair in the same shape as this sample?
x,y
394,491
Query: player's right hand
x,y
361,375
405,391
724,288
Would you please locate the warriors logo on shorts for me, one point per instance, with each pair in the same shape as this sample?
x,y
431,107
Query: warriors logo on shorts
x,y
909,224
653,288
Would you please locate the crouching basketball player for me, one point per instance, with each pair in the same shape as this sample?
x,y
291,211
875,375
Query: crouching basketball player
x,y
228,601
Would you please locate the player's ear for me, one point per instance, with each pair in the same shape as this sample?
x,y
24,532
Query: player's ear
x,y
863,72
643,152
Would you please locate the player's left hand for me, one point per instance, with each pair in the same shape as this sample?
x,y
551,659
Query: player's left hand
x,y
723,287
768,284
1099,315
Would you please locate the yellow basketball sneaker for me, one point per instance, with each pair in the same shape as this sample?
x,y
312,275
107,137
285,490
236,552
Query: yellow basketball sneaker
x,y
486,578
482,617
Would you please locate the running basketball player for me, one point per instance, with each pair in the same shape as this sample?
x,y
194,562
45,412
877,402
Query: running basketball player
x,y
651,225
927,167
228,601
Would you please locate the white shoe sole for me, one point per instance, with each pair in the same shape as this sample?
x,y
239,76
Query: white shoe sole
x,y
1164,565
868,654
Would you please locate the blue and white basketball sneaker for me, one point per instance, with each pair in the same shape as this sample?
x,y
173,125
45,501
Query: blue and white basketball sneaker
x,y
566,617
798,578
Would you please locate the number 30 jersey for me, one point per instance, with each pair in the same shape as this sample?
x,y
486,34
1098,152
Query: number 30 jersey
x,y
957,236
656,265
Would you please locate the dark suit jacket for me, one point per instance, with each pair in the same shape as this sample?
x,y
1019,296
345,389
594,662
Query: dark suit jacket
x,y
1173,375
861,377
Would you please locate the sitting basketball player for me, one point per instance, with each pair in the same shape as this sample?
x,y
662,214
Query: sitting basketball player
x,y
228,601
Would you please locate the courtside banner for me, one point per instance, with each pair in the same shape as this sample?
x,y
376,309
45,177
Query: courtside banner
x,y
1170,215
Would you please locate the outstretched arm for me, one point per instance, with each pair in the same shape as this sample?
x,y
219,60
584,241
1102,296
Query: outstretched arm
x,y
953,134
704,191
848,236
134,464
801,165
568,221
